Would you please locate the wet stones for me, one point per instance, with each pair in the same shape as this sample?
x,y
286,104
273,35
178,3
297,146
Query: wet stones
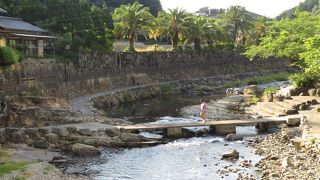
x,y
52,138
61,132
82,149
232,153
293,121
128,137
234,137
112,132
41,144
312,92
18,137
85,132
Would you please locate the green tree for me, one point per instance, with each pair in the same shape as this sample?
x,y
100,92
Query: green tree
x,y
172,24
199,29
131,19
285,38
238,22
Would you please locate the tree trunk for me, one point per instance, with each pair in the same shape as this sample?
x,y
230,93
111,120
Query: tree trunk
x,y
235,34
175,40
131,46
197,44
131,42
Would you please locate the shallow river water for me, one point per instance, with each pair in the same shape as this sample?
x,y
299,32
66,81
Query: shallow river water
x,y
197,158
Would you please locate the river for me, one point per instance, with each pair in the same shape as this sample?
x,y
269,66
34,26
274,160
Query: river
x,y
192,158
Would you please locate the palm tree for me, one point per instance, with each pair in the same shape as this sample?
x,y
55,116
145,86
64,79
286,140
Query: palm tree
x,y
172,24
238,21
131,19
200,28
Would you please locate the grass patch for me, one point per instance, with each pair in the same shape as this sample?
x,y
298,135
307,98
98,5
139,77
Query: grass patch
x,y
256,80
167,88
20,178
203,88
4,155
252,100
48,168
35,91
13,166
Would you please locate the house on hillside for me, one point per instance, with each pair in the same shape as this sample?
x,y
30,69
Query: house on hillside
x,y
215,13
25,37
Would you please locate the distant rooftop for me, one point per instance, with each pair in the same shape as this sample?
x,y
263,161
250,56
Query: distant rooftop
x,y
214,13
2,11
11,23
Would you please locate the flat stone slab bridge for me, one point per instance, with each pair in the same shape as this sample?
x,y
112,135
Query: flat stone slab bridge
x,y
222,127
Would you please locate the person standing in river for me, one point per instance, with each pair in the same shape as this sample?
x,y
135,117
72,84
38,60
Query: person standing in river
x,y
203,110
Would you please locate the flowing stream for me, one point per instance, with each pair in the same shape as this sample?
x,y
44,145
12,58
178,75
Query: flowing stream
x,y
192,158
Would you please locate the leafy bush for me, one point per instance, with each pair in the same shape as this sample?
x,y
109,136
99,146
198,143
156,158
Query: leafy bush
x,y
270,90
302,80
9,55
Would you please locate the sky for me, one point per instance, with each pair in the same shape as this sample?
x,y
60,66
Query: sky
x,y
269,8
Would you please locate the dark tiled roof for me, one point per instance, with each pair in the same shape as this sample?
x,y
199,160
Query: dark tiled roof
x,y
17,24
3,11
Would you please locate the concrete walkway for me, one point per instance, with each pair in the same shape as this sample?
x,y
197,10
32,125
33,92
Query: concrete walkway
x,y
312,116
312,128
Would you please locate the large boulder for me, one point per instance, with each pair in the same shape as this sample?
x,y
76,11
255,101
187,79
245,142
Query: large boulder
x,y
318,92
83,149
129,137
234,137
32,133
18,137
43,130
312,92
112,132
61,131
41,144
98,141
232,153
72,129
85,132
293,121
52,138
233,91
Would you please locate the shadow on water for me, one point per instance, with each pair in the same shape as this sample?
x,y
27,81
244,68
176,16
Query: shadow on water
x,y
151,109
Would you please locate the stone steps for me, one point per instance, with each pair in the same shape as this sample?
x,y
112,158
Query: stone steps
x,y
271,109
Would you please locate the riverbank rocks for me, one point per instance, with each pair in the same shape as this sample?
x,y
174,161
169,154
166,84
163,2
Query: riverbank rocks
x,y
233,91
251,90
52,138
61,131
128,137
2,136
85,132
112,132
18,137
84,150
40,144
234,137
293,120
232,153
312,92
